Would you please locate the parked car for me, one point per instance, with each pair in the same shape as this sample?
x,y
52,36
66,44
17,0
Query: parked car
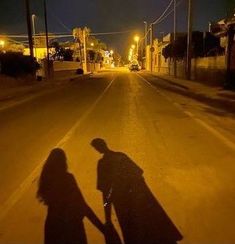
x,y
134,67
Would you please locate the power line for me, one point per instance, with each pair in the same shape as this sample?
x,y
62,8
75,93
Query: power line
x,y
59,21
110,33
161,20
162,15
61,35
145,34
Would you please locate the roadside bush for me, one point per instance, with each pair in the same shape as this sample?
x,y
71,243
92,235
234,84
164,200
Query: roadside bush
x,y
16,64
203,45
79,71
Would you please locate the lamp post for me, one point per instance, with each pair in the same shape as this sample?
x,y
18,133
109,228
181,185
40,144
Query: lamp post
x,y
151,45
34,34
85,49
145,33
47,39
175,26
2,43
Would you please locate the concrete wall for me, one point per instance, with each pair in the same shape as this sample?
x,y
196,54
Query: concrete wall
x,y
66,65
147,61
211,70
160,64
93,67
72,66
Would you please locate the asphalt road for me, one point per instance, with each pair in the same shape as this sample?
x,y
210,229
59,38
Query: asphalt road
x,y
185,147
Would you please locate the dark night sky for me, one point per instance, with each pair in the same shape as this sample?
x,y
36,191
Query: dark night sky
x,y
107,15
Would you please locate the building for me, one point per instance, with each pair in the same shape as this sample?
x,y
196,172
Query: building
x,y
225,29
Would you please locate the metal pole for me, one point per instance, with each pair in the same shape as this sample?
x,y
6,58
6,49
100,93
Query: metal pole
x,y
151,45
175,24
84,47
34,35
137,50
47,39
29,26
189,41
145,33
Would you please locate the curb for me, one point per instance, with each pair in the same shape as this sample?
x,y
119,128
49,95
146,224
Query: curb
x,y
80,77
171,82
220,102
36,90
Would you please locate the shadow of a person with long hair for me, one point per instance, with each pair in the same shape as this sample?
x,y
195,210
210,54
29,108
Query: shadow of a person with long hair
x,y
140,215
59,191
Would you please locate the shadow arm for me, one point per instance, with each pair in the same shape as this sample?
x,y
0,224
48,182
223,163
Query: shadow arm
x,y
107,208
94,219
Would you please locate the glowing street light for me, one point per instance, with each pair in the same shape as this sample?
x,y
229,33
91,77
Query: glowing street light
x,y
92,44
136,38
2,43
133,46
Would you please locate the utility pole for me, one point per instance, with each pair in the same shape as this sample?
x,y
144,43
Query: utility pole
x,y
189,41
47,39
84,49
175,26
34,35
151,47
145,33
29,27
144,50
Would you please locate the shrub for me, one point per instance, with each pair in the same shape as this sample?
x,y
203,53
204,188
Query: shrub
x,y
16,64
79,71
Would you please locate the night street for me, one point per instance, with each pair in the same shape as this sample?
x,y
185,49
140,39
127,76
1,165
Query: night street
x,y
185,147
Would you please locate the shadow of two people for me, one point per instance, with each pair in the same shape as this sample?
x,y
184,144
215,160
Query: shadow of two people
x,y
141,217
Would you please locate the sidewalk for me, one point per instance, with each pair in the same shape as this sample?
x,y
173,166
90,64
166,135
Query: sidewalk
x,y
9,96
197,88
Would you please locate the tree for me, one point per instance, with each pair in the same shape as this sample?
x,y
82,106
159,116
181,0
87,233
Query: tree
x,y
68,55
202,45
61,53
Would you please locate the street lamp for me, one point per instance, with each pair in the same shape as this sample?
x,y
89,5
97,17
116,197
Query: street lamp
x,y
34,34
137,38
133,46
47,38
145,33
2,43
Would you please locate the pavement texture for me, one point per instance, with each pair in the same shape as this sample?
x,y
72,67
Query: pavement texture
x,y
184,146
200,89
11,96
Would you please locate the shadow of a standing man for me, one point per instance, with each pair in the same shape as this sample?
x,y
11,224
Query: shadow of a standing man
x,y
59,191
140,215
